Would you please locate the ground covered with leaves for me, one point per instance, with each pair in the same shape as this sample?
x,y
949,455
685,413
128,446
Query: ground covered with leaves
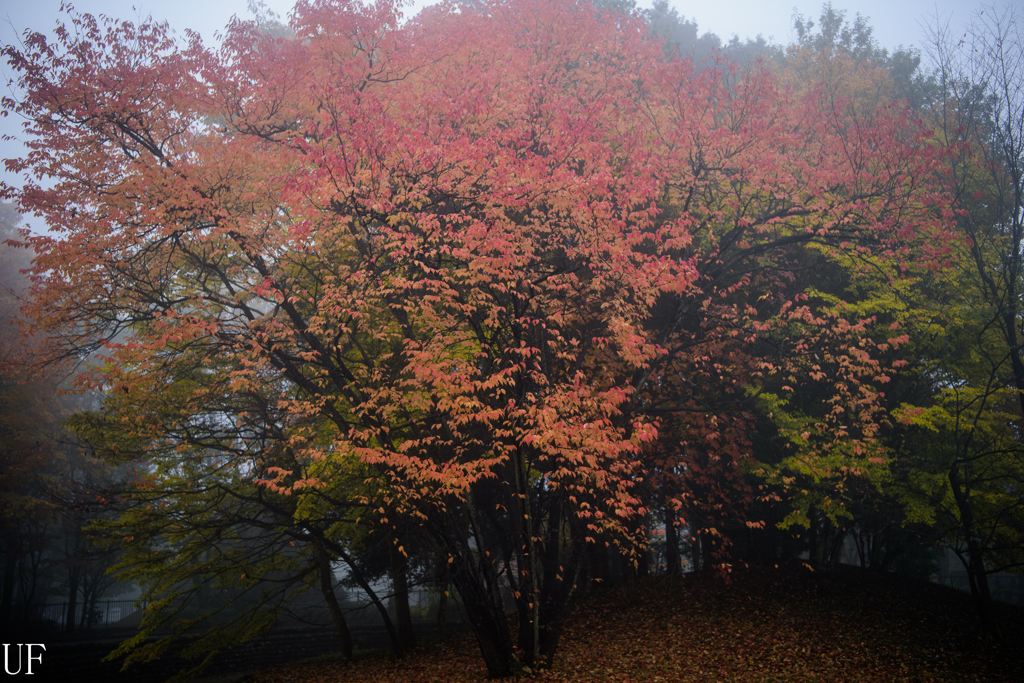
x,y
763,625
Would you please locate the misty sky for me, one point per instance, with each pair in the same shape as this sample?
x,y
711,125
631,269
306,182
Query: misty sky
x,y
895,22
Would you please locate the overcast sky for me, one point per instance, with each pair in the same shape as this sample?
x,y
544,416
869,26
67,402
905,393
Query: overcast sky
x,y
895,22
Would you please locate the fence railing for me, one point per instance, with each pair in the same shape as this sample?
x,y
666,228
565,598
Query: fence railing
x,y
127,614
1003,587
102,614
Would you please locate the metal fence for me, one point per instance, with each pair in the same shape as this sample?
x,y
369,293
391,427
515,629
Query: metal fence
x,y
358,610
103,614
1007,588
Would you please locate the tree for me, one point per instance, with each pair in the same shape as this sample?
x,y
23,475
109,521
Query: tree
x,y
969,418
505,261
814,489
835,32
30,413
48,487
814,419
679,33
78,497
208,545
215,553
22,472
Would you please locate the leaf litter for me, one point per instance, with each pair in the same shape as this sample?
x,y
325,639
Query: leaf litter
x,y
764,625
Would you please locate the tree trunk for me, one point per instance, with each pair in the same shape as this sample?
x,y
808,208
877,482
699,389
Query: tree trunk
x,y
696,549
559,592
69,619
327,589
442,610
382,609
400,586
836,553
812,535
486,618
643,560
979,586
707,552
672,560
976,556
10,571
529,564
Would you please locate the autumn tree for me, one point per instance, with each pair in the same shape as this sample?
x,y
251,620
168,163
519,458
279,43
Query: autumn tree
x,y
506,262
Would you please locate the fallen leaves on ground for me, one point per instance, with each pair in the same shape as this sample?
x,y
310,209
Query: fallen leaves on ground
x,y
764,626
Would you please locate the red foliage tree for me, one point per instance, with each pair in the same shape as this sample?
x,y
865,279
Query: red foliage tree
x,y
484,252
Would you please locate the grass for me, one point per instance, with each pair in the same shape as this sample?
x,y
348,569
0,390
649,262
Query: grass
x,y
764,625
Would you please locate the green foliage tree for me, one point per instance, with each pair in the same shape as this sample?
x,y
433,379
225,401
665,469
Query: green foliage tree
x,y
966,464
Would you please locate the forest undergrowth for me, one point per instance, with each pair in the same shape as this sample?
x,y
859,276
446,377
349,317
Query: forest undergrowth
x,y
763,625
